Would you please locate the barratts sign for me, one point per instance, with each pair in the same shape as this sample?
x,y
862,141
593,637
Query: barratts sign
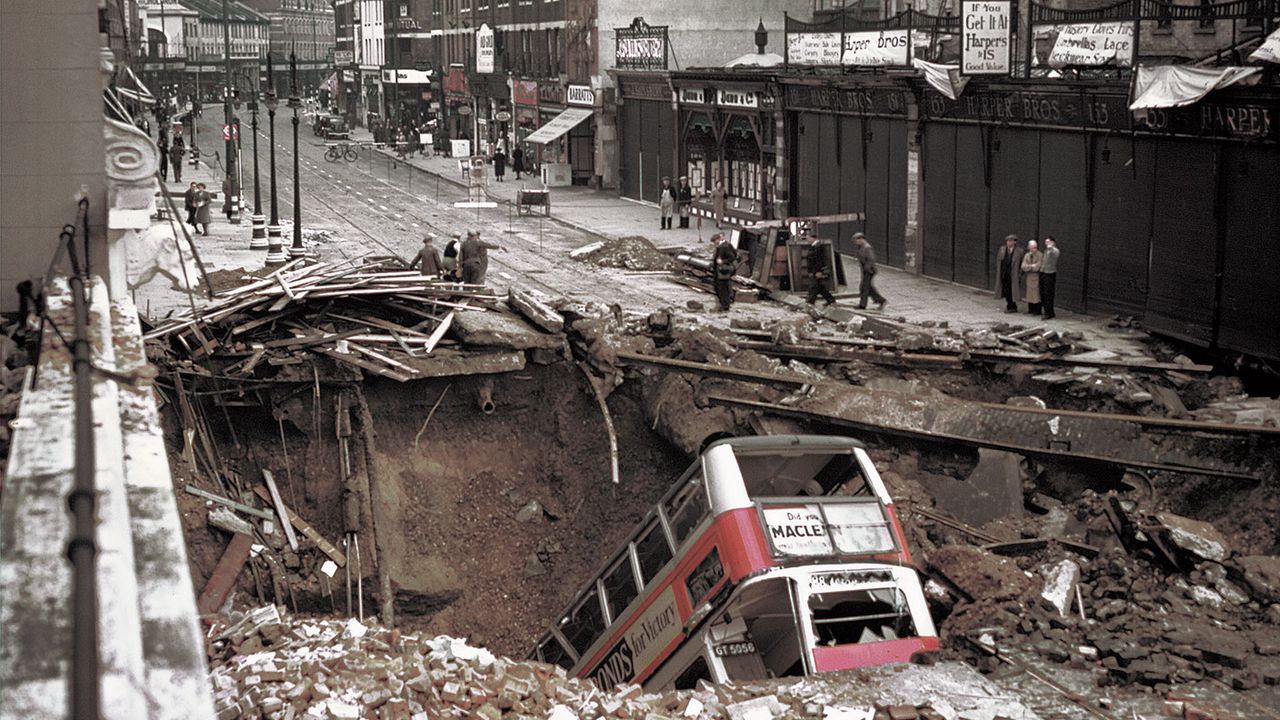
x,y
1093,44
641,644
640,46
984,46
484,49
877,49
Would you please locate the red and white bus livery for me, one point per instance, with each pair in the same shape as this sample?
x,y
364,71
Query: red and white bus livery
x,y
771,556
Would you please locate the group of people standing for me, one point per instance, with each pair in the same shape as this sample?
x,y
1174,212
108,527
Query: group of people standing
x,y
1029,275
465,261
500,162
196,201
678,200
171,154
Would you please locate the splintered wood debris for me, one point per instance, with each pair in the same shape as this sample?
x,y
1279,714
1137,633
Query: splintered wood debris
x,y
372,314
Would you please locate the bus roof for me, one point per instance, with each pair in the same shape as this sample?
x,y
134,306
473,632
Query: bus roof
x,y
780,442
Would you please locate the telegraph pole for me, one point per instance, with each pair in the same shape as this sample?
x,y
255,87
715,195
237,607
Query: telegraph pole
x,y
232,205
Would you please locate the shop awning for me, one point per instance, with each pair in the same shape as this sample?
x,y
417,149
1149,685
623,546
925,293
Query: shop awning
x,y
1166,86
138,92
559,125
946,79
1269,50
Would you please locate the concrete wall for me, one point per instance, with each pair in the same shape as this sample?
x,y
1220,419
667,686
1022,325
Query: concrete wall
x,y
51,141
706,33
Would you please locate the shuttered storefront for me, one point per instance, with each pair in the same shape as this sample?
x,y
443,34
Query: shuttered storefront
x,y
646,135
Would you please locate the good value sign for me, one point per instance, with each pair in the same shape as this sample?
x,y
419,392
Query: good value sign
x,y
984,45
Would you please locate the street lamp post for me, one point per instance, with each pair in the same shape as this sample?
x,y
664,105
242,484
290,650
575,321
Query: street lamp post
x,y
296,249
275,248
259,241
232,204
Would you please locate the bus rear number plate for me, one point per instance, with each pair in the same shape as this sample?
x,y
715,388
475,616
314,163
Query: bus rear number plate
x,y
737,648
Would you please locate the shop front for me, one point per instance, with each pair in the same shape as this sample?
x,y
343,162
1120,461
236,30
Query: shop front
x,y
408,94
646,133
455,112
727,134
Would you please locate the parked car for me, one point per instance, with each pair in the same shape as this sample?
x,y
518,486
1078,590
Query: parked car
x,y
323,121
337,129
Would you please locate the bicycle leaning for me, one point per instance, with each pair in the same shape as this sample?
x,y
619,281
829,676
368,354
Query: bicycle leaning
x,y
341,151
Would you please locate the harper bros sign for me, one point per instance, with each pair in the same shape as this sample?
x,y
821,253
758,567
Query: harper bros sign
x,y
641,46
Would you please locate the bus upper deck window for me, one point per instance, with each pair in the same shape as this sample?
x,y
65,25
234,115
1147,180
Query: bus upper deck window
x,y
653,552
619,586
815,473
551,651
686,509
584,624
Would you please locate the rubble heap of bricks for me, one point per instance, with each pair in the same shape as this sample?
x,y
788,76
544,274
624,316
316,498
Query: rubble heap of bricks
x,y
265,665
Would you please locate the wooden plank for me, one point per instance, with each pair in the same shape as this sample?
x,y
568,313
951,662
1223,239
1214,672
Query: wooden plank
x,y
438,333
308,530
380,323
379,356
281,510
536,311
241,507
224,574
360,362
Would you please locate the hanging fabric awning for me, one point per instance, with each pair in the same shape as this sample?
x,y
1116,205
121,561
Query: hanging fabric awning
x,y
1269,50
138,92
1166,86
559,125
330,83
946,79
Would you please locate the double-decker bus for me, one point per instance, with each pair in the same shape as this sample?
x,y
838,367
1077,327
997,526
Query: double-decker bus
x,y
771,556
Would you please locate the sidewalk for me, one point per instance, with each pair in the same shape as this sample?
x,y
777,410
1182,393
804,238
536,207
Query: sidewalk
x,y
913,298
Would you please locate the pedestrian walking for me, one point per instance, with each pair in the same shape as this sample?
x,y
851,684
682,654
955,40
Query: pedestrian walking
x,y
163,147
517,161
817,263
1049,276
867,260
176,151
499,164
428,259
1008,266
723,264
684,196
667,202
1030,265
451,250
473,256
202,202
189,204
718,198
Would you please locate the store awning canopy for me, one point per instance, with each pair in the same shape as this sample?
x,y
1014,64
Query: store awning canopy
x,y
559,125
946,79
1166,86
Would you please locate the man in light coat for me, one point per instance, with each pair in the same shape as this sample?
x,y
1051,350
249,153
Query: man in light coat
x,y
1008,269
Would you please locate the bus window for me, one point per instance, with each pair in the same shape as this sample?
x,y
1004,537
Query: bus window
x,y
552,652
858,527
584,624
861,616
619,586
786,475
688,680
686,509
652,551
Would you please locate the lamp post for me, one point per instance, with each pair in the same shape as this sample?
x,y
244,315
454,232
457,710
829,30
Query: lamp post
x,y
232,204
295,250
259,241
275,248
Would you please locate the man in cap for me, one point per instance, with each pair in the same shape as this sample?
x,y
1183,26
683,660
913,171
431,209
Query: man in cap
x,y
474,257
1008,267
428,259
817,264
723,264
684,197
867,260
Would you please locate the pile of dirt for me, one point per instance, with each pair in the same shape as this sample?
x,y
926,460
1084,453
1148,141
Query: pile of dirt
x,y
629,253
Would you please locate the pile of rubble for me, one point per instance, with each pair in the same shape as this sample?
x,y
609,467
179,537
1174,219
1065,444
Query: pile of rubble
x,y
267,665
629,253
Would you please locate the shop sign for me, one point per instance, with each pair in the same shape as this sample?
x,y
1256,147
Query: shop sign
x,y
344,57
984,45
464,109
640,46
1236,120
737,98
645,91
502,116
693,96
348,76
484,49
813,48
1035,108
406,77
580,95
861,101
877,49
455,81
550,93
524,92
1093,44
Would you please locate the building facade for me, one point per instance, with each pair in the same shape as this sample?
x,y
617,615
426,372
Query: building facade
x,y
304,28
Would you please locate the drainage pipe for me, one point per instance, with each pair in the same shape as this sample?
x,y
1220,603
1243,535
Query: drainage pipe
x,y
484,397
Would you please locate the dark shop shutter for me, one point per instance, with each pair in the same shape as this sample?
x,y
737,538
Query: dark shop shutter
x,y
1064,209
632,147
829,177
938,167
896,214
1015,185
853,180
804,190
974,253
878,140
663,121
1120,236
1247,317
1183,242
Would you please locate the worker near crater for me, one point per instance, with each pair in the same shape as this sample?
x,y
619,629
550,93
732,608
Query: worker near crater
x,y
723,264
473,257
428,260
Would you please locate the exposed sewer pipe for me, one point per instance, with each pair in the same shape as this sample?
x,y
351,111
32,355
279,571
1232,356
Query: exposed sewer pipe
x,y
484,397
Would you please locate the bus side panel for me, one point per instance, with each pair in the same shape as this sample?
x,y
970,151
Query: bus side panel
x,y
743,546
899,533
843,657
